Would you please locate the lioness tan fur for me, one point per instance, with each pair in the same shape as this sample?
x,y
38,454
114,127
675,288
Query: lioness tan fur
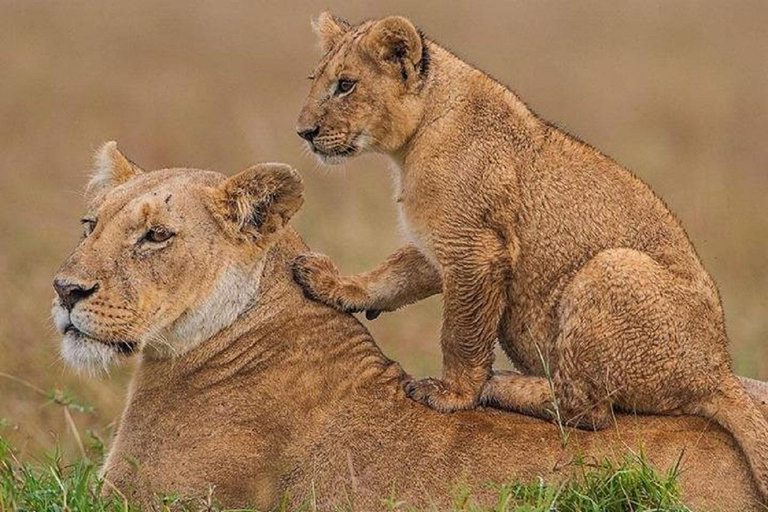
x,y
534,238
249,389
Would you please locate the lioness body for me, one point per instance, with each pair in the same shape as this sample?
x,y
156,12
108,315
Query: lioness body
x,y
296,400
251,392
534,238
256,394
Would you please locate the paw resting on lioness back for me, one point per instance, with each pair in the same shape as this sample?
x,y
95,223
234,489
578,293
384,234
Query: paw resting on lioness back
x,y
320,280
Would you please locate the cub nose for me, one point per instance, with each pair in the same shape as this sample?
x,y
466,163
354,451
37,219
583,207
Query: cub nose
x,y
308,134
71,293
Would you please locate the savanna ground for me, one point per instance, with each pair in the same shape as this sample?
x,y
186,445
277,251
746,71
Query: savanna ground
x,y
676,91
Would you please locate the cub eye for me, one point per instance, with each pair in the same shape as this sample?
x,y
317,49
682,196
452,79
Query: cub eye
x,y
344,86
88,226
158,235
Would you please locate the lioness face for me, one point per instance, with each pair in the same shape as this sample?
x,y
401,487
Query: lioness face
x,y
166,258
365,90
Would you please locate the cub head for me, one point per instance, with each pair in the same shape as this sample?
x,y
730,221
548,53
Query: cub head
x,y
365,92
167,258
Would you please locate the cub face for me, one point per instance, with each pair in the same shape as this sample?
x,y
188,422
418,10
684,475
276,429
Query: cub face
x,y
365,93
167,258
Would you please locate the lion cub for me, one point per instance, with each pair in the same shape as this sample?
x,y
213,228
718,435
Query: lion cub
x,y
534,238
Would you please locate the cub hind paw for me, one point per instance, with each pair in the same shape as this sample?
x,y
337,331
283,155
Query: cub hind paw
x,y
439,395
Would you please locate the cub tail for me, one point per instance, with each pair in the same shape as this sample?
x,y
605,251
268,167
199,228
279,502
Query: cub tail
x,y
735,407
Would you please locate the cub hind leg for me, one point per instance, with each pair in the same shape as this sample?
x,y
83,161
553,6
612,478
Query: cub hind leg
x,y
634,335
536,396
616,344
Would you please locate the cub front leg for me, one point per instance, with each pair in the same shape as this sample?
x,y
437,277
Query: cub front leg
x,y
404,278
474,296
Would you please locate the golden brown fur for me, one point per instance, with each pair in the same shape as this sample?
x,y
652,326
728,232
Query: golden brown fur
x,y
291,397
534,238
127,287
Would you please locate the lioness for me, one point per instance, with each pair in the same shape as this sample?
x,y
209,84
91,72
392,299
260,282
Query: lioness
x,y
247,387
534,238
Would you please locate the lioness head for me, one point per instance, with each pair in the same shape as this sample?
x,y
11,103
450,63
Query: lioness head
x,y
365,90
167,258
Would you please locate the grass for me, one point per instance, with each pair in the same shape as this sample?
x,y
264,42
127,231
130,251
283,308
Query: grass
x,y
51,484
630,485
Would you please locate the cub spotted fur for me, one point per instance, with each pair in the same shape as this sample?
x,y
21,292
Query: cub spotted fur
x,y
534,238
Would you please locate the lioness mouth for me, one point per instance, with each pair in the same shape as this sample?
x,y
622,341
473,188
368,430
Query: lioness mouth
x,y
122,347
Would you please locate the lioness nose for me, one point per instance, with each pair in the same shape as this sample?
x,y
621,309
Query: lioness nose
x,y
308,134
71,293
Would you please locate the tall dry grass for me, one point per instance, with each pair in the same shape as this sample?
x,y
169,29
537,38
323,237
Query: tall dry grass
x,y
677,91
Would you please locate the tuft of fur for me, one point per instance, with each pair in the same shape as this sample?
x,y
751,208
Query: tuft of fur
x,y
89,357
329,30
110,168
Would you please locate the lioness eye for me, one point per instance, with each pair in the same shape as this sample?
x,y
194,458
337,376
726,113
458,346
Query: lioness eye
x,y
158,235
344,86
88,226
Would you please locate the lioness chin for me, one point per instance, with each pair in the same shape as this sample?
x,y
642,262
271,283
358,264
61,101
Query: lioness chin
x,y
249,389
533,237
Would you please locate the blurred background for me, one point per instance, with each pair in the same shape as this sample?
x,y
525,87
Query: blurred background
x,y
675,90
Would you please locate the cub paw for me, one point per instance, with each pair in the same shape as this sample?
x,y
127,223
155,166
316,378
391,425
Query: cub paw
x,y
320,280
438,395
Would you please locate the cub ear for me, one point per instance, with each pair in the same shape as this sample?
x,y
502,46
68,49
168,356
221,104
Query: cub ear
x,y
110,169
396,40
329,29
260,200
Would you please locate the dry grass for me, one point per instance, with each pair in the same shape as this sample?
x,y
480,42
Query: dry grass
x,y
677,91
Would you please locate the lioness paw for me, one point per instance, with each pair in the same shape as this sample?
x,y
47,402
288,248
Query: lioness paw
x,y
438,395
320,280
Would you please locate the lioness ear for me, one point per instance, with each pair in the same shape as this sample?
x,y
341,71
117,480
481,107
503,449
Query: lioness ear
x,y
329,29
110,169
260,200
396,40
